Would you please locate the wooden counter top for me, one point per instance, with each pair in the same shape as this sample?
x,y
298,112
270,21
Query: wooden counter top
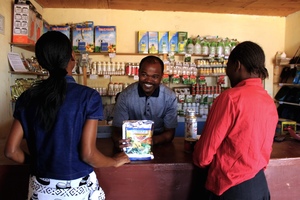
x,y
170,175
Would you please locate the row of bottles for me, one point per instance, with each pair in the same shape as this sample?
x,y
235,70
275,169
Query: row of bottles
x,y
202,68
200,100
210,46
112,89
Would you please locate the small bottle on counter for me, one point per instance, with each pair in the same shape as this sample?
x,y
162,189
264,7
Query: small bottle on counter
x,y
190,130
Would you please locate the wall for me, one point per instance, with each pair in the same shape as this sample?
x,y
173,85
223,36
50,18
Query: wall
x,y
292,34
5,108
269,32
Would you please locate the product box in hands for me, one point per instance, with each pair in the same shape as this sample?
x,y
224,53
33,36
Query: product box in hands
x,y
83,36
63,29
140,134
105,39
163,42
173,41
143,41
153,42
24,20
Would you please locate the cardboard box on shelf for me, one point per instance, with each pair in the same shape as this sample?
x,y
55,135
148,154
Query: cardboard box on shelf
x,y
143,42
24,19
153,42
105,39
182,39
173,41
63,29
83,36
163,42
38,25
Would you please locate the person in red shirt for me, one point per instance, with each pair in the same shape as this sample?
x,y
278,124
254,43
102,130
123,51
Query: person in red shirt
x,y
236,142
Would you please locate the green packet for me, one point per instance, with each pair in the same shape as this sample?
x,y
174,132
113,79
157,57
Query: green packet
x,y
140,134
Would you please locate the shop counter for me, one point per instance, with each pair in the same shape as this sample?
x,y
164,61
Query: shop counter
x,y
169,176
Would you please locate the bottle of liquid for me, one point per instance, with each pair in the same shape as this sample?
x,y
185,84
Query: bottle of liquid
x,y
197,47
190,131
189,46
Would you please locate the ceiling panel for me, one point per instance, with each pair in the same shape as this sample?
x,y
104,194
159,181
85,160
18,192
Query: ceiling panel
x,y
249,7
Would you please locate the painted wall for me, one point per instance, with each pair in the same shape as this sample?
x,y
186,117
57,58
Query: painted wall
x,y
269,32
292,34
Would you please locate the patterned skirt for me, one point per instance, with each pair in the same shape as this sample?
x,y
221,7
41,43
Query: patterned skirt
x,y
85,188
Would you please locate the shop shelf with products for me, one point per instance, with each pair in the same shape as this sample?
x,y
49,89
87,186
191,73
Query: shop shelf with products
x,y
287,84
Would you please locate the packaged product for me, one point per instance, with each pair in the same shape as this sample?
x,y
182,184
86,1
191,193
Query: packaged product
x,y
65,29
83,37
140,134
143,40
153,42
105,39
163,41
24,19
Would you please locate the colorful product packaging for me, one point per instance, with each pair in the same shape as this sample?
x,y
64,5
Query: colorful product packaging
x,y
173,41
46,26
182,39
63,29
143,42
24,18
83,37
105,39
163,42
284,124
38,26
140,134
153,42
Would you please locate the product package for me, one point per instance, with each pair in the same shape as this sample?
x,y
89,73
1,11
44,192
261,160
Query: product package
x,y
65,29
143,40
153,42
83,37
24,19
105,39
140,134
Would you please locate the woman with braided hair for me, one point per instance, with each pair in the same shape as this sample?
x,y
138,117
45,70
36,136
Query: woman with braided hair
x,y
236,143
58,119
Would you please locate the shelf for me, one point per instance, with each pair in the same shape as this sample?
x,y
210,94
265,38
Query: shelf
x,y
158,54
28,47
288,84
29,73
288,103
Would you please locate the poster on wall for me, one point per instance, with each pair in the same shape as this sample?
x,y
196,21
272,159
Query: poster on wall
x,y
1,24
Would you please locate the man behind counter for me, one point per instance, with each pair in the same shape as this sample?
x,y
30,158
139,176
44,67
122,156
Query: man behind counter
x,y
147,99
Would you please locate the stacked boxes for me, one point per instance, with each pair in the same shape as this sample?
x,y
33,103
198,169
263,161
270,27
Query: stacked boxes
x,y
83,36
105,39
24,24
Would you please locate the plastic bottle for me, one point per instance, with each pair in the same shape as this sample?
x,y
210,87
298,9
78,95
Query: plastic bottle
x,y
197,47
189,46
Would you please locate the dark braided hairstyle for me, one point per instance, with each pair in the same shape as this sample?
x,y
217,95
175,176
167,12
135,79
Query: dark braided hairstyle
x,y
53,51
252,56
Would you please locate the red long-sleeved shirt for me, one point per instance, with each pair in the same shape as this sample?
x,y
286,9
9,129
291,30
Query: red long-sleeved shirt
x,y
236,142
